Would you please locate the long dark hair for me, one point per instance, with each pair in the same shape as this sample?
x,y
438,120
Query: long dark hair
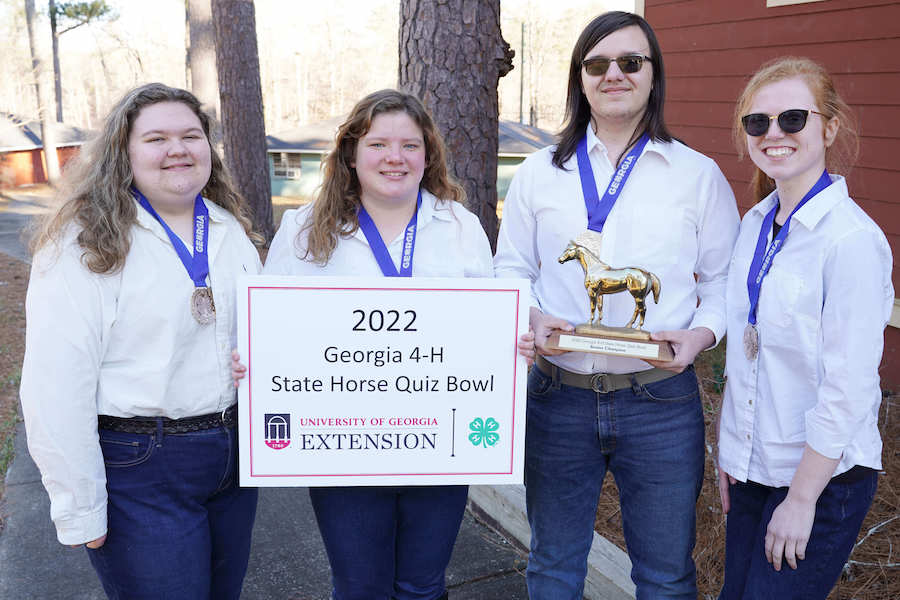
x,y
578,111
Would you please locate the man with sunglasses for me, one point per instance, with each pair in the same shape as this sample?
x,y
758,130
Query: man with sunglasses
x,y
656,204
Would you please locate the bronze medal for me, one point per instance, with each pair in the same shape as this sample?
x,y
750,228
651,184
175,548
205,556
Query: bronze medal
x,y
751,342
203,308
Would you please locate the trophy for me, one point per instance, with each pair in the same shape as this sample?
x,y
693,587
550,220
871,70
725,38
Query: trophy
x,y
599,279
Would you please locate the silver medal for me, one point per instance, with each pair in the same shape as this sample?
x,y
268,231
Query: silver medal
x,y
751,341
203,308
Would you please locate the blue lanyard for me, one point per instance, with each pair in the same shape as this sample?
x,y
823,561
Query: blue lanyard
x,y
762,258
380,250
197,266
598,210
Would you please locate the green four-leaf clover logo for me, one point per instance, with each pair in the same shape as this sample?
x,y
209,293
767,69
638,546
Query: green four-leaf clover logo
x,y
484,432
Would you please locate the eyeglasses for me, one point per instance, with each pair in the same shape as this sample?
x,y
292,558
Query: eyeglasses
x,y
630,63
790,121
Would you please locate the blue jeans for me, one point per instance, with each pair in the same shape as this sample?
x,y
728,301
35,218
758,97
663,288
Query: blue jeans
x,y
840,511
178,524
388,543
651,439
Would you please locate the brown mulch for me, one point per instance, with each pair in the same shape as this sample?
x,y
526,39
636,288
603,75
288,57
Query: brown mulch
x,y
13,283
873,571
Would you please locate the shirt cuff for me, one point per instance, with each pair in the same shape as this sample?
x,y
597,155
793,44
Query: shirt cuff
x,y
80,530
717,326
820,440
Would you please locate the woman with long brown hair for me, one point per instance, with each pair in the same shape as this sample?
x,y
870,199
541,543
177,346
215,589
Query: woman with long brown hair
x,y
126,386
387,207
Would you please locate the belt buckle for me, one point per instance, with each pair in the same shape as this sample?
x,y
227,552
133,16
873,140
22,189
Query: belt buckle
x,y
600,383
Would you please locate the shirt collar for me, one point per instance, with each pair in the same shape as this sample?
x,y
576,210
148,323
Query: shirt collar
x,y
661,148
813,211
432,209
217,214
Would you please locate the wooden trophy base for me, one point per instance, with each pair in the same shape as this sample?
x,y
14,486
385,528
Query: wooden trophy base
x,y
612,341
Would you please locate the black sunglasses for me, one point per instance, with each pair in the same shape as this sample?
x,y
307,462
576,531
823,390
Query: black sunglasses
x,y
630,63
790,121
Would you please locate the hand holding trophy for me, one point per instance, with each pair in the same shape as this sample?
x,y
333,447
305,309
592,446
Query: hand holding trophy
x,y
600,279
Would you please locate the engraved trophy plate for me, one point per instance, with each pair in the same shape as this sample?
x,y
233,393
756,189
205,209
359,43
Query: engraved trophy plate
x,y
203,308
599,279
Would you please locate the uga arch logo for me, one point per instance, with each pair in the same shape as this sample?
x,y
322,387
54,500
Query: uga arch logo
x,y
277,430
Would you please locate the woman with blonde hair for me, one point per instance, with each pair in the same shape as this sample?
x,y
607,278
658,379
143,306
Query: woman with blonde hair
x,y
126,385
387,207
809,294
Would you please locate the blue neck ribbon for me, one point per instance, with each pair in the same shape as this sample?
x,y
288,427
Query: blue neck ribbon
x,y
762,258
197,266
598,210
382,256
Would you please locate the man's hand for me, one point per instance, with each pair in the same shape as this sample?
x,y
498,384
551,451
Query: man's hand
x,y
543,325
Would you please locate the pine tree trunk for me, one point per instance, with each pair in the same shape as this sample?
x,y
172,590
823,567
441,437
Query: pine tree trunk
x,y
57,80
44,100
452,54
240,97
201,55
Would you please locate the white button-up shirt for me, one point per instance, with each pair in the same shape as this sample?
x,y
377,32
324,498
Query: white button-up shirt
x,y
450,242
122,344
675,217
822,311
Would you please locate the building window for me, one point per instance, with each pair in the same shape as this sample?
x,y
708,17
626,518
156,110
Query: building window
x,y
771,3
286,165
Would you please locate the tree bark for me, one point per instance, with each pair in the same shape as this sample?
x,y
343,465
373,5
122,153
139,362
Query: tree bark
x,y
201,55
57,82
452,54
44,100
240,97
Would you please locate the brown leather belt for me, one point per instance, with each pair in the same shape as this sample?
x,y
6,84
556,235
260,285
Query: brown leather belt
x,y
226,418
600,382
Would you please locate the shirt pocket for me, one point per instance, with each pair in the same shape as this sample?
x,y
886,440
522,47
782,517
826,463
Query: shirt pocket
x,y
780,297
657,238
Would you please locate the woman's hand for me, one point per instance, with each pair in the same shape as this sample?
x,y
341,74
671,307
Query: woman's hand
x,y
543,325
687,344
238,370
93,544
788,532
724,480
526,347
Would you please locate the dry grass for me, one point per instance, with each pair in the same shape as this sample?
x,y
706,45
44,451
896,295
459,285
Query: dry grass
x,y
873,571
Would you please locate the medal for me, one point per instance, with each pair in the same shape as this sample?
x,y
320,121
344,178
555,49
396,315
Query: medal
x,y
203,309
201,304
762,261
751,341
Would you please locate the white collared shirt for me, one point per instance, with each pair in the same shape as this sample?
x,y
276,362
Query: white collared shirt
x,y
675,217
123,344
822,311
450,242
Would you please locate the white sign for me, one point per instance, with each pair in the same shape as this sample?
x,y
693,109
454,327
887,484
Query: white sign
x,y
375,381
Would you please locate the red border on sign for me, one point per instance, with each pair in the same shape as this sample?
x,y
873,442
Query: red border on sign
x,y
434,289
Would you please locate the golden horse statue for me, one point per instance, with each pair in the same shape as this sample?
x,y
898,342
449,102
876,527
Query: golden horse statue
x,y
600,278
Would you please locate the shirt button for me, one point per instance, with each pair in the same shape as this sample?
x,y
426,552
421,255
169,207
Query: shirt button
x,y
751,401
748,436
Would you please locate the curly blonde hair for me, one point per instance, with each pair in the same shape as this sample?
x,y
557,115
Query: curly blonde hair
x,y
337,203
841,155
96,197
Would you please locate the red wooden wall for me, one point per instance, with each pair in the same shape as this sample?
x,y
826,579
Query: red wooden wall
x,y
711,47
25,167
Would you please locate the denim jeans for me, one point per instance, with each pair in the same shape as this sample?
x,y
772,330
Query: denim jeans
x,y
388,543
840,511
178,524
651,438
